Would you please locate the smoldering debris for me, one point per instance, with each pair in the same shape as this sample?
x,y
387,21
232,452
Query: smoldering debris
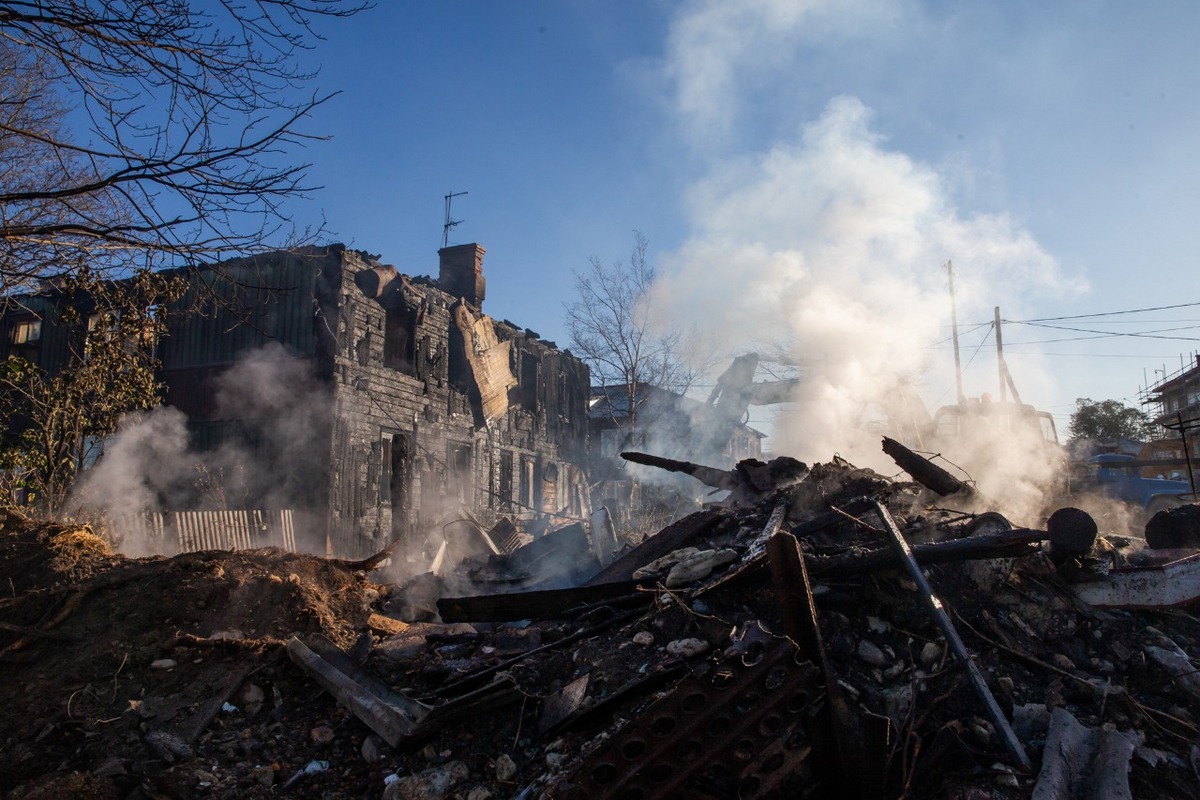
x,y
763,674
849,634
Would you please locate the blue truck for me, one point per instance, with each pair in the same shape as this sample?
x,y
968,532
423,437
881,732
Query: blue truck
x,y
1120,476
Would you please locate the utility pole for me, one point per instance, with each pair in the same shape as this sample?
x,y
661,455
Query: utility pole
x,y
1000,368
954,334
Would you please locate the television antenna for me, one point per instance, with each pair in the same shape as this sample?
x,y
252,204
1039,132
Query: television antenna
x,y
450,223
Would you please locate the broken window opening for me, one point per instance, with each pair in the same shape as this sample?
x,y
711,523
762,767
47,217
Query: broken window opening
x,y
394,479
505,481
529,382
527,482
550,501
362,349
399,340
458,460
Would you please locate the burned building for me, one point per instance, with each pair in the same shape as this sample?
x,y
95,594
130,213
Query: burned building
x,y
394,399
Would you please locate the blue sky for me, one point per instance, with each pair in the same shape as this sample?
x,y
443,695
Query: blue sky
x,y
803,169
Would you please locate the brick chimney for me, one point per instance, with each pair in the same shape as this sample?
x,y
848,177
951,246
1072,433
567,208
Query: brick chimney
x,y
461,272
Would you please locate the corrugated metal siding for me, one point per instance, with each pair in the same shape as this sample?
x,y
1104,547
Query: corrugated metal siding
x,y
191,531
243,308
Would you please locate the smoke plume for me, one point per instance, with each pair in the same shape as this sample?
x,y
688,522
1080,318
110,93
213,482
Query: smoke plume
x,y
270,428
830,248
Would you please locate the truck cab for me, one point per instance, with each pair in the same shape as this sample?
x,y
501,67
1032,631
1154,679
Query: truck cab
x,y
1119,476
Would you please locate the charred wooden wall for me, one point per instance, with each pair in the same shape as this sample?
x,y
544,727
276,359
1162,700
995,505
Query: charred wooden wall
x,y
410,441
428,405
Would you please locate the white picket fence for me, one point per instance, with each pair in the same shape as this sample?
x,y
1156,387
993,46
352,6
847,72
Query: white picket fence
x,y
190,531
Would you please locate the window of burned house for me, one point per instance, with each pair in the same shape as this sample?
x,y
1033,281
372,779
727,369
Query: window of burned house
x,y
526,483
504,483
550,500
395,475
564,397
530,369
458,464
362,349
400,339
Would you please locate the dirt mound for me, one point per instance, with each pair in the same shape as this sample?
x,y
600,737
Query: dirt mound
x,y
116,667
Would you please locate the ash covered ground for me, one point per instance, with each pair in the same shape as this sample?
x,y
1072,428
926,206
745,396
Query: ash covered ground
x,y
169,677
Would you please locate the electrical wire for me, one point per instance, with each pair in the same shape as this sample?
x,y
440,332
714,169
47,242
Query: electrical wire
x,y
1109,313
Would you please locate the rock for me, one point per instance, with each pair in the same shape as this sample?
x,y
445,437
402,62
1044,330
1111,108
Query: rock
x,y
479,793
264,775
661,565
1063,662
643,638
322,734
698,566
251,697
870,653
434,783
164,663
931,653
370,749
506,768
687,648
167,746
877,625
1030,720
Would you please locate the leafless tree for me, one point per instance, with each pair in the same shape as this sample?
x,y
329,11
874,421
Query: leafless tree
x,y
137,134
616,330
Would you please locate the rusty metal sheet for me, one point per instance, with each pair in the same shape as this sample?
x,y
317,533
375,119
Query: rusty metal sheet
x,y
736,729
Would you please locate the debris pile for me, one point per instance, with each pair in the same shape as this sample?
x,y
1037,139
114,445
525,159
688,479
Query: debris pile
x,y
825,632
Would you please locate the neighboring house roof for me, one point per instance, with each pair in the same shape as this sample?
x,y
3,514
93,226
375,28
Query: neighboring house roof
x,y
655,405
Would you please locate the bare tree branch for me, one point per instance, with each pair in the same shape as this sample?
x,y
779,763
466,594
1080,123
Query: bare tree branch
x,y
192,114
614,327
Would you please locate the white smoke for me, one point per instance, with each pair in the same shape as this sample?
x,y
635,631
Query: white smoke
x,y
829,243
275,445
719,54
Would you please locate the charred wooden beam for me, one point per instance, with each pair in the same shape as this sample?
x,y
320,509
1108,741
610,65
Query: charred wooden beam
x,y
1005,544
709,476
923,471
669,539
542,604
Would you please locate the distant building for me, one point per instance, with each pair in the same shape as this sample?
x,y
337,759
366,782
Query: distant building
x,y
667,424
670,424
1175,402
425,401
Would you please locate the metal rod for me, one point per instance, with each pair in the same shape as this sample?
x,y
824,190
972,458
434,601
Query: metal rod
x,y
1187,456
1000,357
959,649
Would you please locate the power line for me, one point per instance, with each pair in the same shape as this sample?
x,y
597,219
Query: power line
x,y
1108,313
1110,334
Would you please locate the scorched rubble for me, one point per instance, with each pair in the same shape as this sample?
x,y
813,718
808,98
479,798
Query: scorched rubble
x,y
793,656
